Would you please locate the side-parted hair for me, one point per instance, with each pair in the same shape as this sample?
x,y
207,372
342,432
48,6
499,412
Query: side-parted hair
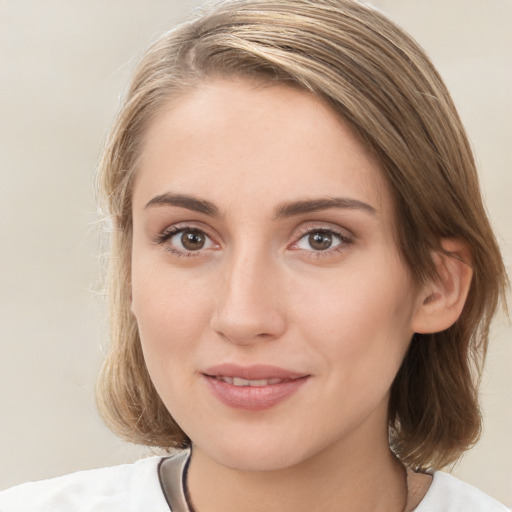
x,y
380,82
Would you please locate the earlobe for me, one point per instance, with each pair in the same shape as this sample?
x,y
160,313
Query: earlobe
x,y
441,301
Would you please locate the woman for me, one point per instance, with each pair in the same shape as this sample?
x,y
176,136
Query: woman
x,y
303,274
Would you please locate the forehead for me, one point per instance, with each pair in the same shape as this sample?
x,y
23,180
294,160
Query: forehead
x,y
265,143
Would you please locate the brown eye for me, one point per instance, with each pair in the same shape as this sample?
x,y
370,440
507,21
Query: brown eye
x,y
323,241
186,241
193,240
320,240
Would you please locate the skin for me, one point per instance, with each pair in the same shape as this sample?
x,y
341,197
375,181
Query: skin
x,y
259,292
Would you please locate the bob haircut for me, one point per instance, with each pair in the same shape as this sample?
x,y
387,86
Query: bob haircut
x,y
380,82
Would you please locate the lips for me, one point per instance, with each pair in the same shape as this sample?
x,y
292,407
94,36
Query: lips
x,y
253,388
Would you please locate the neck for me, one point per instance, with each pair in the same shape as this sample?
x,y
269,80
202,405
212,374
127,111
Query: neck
x,y
368,479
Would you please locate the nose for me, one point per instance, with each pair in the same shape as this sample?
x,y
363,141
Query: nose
x,y
249,307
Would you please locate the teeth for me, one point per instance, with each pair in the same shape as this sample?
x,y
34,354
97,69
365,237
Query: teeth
x,y
237,381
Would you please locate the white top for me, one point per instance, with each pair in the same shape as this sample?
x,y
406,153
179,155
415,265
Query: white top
x,y
136,488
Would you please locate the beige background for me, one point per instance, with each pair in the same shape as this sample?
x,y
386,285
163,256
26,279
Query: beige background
x,y
63,66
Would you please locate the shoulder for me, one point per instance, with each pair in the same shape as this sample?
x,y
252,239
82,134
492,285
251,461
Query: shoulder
x,y
449,494
126,487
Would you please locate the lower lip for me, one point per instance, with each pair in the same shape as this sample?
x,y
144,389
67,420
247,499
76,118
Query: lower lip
x,y
254,398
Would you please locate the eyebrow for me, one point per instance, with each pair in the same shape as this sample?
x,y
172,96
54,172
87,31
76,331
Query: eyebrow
x,y
185,201
284,210
290,209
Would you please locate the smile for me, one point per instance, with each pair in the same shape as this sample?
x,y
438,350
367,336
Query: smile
x,y
253,388
237,381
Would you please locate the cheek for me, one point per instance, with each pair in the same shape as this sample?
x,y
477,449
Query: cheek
x,y
360,320
171,312
171,317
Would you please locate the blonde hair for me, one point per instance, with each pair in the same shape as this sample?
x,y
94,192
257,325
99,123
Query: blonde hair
x,y
380,82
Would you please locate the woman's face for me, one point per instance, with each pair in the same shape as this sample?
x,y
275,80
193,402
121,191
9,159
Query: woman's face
x,y
273,307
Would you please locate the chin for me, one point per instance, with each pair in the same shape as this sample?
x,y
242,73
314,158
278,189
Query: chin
x,y
256,460
256,454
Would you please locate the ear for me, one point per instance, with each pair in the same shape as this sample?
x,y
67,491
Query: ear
x,y
441,301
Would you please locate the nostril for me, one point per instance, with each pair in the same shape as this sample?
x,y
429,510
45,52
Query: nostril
x,y
248,332
246,309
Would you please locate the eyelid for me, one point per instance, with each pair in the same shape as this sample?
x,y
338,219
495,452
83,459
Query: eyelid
x,y
164,236
345,236
312,226
176,227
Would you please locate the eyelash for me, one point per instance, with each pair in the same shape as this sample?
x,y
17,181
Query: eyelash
x,y
344,240
168,233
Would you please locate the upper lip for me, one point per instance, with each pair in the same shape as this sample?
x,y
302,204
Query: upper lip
x,y
253,372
